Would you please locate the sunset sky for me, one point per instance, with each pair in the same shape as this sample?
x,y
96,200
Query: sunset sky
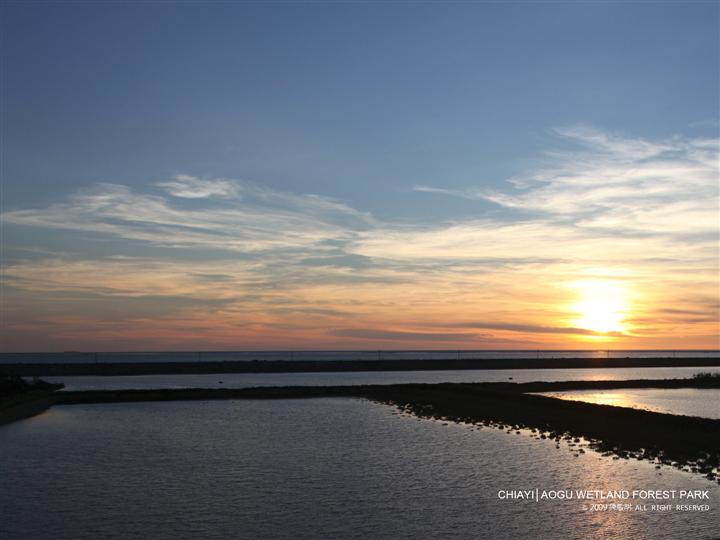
x,y
183,176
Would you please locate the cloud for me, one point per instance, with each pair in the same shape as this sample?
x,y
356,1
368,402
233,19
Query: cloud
x,y
462,193
192,187
261,220
599,199
615,183
527,328
372,333
284,268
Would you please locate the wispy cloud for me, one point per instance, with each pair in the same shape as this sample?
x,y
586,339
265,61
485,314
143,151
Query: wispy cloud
x,y
248,218
388,335
300,269
596,200
617,183
527,328
192,187
462,193
622,184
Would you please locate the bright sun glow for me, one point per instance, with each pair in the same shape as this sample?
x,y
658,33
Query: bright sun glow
x,y
602,306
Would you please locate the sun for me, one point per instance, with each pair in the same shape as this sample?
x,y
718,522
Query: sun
x,y
601,307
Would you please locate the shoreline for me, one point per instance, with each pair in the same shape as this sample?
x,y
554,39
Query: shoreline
x,y
316,366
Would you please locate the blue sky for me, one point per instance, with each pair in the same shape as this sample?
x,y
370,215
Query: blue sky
x,y
399,117
340,100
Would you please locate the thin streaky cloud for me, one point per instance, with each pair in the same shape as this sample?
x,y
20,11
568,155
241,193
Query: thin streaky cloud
x,y
607,207
464,194
617,183
372,333
526,328
260,220
192,187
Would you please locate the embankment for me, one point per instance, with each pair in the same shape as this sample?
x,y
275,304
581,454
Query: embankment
x,y
308,366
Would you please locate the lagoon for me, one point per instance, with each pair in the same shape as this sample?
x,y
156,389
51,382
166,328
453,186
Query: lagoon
x,y
704,402
319,468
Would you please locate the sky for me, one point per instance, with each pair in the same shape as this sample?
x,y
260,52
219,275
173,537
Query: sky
x,y
360,175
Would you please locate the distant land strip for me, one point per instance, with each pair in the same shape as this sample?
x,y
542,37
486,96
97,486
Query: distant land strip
x,y
294,392
312,366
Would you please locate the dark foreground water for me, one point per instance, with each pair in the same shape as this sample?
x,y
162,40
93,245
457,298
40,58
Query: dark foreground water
x,y
315,468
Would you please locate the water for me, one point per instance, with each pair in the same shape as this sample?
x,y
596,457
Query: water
x,y
246,380
685,401
314,468
227,356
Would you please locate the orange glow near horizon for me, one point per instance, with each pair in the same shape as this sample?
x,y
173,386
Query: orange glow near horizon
x,y
529,308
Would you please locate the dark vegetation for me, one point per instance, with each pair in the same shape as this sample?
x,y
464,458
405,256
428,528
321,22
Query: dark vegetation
x,y
13,387
706,376
20,398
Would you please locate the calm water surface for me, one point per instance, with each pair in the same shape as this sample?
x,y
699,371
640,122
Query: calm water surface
x,y
244,380
314,468
686,401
